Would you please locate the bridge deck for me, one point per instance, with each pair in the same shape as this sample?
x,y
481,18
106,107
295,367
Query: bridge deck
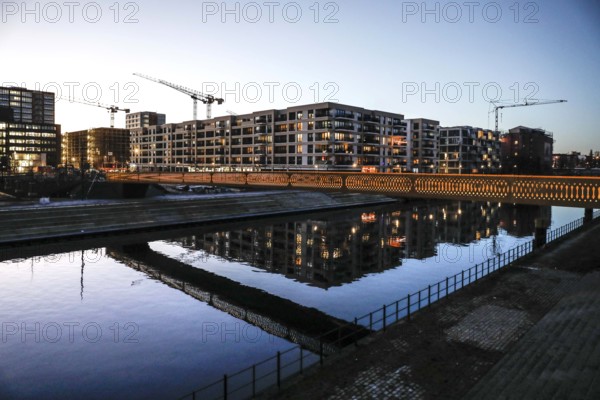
x,y
583,192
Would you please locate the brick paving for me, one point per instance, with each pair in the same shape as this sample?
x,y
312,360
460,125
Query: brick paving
x,y
480,334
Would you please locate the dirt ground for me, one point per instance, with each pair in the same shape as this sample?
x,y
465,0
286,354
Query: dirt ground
x,y
444,350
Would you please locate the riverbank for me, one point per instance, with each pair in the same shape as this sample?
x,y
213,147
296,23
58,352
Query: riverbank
x,y
529,331
79,219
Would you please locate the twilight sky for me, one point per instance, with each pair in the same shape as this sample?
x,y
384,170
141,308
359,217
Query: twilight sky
x,y
438,60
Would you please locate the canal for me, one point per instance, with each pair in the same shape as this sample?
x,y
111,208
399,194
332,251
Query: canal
x,y
153,320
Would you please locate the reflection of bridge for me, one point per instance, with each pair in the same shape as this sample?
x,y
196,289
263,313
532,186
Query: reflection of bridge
x,y
570,191
275,315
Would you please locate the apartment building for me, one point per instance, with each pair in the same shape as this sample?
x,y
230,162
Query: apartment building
x,y
320,136
422,142
144,119
29,137
527,151
101,148
468,150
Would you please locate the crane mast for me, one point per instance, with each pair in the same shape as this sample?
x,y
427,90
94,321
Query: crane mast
x,y
525,104
194,94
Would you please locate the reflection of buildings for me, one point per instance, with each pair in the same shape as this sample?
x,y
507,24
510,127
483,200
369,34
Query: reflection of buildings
x,y
324,252
465,222
339,249
420,232
519,219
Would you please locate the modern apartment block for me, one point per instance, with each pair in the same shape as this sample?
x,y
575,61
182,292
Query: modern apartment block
x,y
101,148
321,136
527,151
422,139
29,137
144,119
468,150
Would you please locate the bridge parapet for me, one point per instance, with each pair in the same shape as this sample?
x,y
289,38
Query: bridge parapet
x,y
581,192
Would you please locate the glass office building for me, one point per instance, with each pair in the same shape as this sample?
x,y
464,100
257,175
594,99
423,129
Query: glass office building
x,y
29,138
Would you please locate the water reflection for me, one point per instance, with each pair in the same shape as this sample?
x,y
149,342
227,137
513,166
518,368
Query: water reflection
x,y
340,248
519,220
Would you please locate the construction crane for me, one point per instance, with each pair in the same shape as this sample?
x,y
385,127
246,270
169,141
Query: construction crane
x,y
111,109
526,103
194,94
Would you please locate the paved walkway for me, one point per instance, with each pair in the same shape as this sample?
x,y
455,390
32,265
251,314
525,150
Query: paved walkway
x,y
558,358
530,332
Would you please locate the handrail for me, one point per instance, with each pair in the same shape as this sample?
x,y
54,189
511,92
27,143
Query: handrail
x,y
583,192
375,321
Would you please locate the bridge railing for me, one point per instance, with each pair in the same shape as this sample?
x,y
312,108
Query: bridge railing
x,y
272,371
553,190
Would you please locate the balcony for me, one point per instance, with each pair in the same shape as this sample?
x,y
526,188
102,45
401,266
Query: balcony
x,y
371,129
370,139
343,115
372,119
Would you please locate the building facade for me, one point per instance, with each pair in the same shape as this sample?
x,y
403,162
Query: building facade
x,y
568,161
101,148
321,136
29,137
144,119
422,145
527,151
468,150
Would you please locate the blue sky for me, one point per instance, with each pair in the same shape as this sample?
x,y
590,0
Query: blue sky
x,y
421,59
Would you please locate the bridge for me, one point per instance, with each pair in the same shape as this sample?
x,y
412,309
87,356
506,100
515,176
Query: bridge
x,y
582,192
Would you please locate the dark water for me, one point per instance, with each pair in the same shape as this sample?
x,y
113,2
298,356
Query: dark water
x,y
101,324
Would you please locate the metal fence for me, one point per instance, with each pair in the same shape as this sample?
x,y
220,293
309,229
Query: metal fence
x,y
273,371
570,227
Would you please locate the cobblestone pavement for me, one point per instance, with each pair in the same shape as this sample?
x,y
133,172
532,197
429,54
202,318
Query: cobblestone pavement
x,y
445,350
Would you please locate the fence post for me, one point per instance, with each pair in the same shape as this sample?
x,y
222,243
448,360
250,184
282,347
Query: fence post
x,y
429,295
408,307
447,293
419,307
225,387
462,279
384,316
